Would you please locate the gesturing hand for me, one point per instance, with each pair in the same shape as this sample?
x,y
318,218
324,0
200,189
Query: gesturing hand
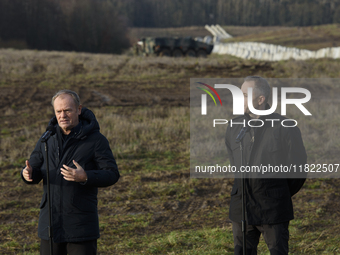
x,y
27,172
74,174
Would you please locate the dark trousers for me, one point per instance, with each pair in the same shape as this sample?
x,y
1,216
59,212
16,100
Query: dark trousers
x,y
78,248
276,237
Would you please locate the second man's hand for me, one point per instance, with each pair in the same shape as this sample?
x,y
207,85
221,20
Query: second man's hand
x,y
77,174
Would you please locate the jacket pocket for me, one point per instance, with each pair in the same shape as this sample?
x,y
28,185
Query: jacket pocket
x,y
277,193
43,201
85,204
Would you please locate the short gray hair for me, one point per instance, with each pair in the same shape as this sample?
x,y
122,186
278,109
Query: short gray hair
x,y
262,87
73,94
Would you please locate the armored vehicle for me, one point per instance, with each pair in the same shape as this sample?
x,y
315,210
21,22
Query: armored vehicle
x,y
174,46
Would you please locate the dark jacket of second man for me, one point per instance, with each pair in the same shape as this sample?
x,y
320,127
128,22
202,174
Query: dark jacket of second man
x,y
268,200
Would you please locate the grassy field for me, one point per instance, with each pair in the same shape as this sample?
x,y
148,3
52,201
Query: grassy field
x,y
142,105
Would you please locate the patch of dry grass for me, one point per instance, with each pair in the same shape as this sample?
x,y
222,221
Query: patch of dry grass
x,y
26,62
145,130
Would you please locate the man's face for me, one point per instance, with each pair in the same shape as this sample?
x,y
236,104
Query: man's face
x,y
66,112
244,89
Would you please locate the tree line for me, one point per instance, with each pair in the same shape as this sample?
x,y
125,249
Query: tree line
x,y
71,25
177,13
101,26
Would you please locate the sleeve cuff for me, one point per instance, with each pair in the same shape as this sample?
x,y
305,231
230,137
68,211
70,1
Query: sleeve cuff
x,y
83,183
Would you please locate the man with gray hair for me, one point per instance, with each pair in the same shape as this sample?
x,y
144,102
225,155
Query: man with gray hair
x,y
268,205
80,161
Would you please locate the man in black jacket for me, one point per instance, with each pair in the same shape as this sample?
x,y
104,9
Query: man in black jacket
x,y
268,198
80,161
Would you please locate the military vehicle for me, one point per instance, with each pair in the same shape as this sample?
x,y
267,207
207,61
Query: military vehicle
x,y
174,47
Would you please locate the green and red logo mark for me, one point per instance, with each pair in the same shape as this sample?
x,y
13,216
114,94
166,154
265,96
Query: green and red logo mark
x,y
204,97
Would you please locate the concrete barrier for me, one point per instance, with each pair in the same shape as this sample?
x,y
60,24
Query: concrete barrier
x,y
271,52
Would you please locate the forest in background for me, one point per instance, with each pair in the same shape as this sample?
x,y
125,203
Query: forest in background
x,y
67,25
177,13
101,26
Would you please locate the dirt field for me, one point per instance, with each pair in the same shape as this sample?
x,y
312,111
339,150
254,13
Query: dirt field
x,y
142,105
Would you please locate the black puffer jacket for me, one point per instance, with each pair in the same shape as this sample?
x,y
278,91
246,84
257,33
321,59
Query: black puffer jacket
x,y
268,200
74,205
